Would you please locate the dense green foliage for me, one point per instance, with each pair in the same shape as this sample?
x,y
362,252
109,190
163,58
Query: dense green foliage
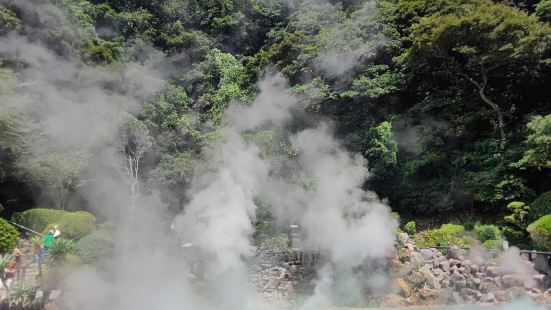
x,y
71,224
447,99
95,246
540,231
487,232
9,236
410,228
540,207
446,236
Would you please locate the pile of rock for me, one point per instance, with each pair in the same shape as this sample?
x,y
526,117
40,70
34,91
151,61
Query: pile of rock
x,y
276,276
426,276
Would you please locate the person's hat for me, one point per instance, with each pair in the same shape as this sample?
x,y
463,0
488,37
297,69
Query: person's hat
x,y
16,252
56,227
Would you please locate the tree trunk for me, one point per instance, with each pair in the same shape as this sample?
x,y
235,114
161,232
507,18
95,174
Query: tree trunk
x,y
496,108
482,93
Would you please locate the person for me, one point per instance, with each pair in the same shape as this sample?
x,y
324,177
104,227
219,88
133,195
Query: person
x,y
57,232
12,268
48,241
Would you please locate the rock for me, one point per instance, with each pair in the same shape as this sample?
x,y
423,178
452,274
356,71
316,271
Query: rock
x,y
404,254
488,285
427,294
460,284
503,296
426,268
493,271
455,253
400,286
427,253
403,237
392,300
445,266
509,281
458,299
489,298
457,277
417,259
438,272
416,279
293,269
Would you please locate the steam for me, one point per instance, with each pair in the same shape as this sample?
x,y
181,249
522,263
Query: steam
x,y
78,108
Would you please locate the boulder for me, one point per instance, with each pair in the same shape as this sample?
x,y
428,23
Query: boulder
x,y
393,300
427,254
400,286
489,298
493,271
509,281
455,253
445,266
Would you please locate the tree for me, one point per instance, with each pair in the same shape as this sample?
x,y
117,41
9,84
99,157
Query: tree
x,y
480,44
134,141
60,174
539,142
543,11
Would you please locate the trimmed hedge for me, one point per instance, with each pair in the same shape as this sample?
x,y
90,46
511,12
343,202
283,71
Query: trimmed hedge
x,y
540,232
71,224
9,236
540,207
452,229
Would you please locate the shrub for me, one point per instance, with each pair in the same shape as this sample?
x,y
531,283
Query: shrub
x,y
410,228
37,219
71,224
520,238
540,207
493,244
9,236
487,232
75,224
97,245
396,216
439,238
452,229
60,250
540,232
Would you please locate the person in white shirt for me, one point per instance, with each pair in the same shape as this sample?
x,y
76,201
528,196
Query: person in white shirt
x,y
56,231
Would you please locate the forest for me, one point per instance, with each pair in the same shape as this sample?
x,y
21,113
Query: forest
x,y
448,100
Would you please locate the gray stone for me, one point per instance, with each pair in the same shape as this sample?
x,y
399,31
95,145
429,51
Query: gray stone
x,y
509,281
460,284
493,271
445,266
427,254
489,298
455,253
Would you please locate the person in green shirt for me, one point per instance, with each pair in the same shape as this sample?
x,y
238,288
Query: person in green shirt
x,y
48,241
